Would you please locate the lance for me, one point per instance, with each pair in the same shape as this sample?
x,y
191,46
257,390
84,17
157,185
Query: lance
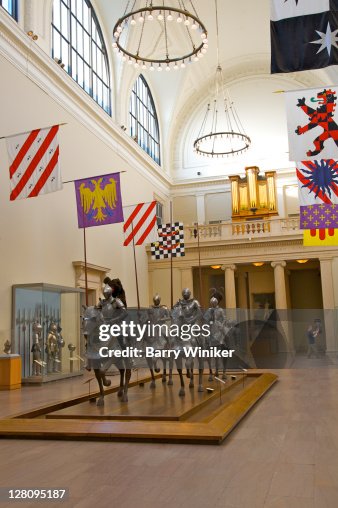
x,y
18,322
23,323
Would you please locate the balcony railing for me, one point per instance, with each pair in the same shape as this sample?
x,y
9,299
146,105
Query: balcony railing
x,y
263,228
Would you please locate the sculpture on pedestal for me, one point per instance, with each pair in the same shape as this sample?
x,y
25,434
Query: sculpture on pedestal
x,y
7,347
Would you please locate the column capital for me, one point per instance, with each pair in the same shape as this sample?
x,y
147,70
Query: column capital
x,y
229,267
274,264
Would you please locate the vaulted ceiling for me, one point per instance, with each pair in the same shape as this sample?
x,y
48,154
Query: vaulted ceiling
x,y
181,97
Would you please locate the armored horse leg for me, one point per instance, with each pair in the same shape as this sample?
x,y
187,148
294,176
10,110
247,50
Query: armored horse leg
x,y
150,363
126,385
120,392
181,393
210,378
99,376
200,375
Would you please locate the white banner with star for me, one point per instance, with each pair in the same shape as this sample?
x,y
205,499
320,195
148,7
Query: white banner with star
x,y
304,34
282,9
312,122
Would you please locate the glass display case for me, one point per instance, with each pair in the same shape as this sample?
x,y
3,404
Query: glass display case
x,y
46,331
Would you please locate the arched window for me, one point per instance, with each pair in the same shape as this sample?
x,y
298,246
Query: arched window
x,y
78,42
143,119
11,7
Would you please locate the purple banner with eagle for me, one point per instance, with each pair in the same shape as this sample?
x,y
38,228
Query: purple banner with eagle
x,y
99,200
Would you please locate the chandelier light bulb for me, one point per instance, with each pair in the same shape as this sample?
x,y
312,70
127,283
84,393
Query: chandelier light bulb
x,y
133,44
151,68
114,45
176,67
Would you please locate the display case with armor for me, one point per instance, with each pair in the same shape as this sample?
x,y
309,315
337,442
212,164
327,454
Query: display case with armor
x,y
46,331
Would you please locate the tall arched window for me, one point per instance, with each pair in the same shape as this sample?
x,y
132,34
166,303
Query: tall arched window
x,y
143,119
11,7
78,42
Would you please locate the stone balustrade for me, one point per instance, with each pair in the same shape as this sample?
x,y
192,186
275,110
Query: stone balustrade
x,y
232,230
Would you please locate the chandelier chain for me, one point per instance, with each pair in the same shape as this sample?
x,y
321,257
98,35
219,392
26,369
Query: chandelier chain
x,y
181,4
142,32
217,33
165,34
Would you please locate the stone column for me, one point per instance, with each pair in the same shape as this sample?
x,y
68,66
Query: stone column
x,y
328,303
280,288
200,206
283,324
230,291
242,290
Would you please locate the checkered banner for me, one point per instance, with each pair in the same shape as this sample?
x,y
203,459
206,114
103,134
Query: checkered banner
x,y
171,241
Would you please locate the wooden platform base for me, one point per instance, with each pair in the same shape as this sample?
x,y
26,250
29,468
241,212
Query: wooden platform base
x,y
150,415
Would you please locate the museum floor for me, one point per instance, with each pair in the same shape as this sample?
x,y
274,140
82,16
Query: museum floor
x,y
283,454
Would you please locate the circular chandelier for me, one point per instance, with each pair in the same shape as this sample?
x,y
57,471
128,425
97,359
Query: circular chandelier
x,y
221,133
160,36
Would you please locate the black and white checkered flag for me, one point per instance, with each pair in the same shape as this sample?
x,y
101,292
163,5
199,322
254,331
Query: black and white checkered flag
x,y
171,241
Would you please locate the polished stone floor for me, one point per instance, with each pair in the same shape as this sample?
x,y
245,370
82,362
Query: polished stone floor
x,y
283,454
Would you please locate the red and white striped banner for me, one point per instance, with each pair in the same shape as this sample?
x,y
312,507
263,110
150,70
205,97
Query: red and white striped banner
x,y
34,163
140,223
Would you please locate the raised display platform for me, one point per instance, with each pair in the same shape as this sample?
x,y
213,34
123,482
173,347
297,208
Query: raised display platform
x,y
150,415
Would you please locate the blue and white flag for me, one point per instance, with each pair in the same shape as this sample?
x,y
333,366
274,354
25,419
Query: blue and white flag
x,y
304,34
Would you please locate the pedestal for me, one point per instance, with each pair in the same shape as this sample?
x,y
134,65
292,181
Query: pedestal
x,y
10,372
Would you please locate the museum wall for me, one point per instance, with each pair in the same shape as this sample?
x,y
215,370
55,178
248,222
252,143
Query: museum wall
x,y
39,236
184,209
217,207
261,281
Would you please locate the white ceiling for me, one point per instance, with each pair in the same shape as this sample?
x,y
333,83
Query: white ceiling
x,y
181,97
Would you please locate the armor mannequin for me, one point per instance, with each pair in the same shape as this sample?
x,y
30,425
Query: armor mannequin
x,y
216,318
52,348
187,311
158,315
60,344
36,349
